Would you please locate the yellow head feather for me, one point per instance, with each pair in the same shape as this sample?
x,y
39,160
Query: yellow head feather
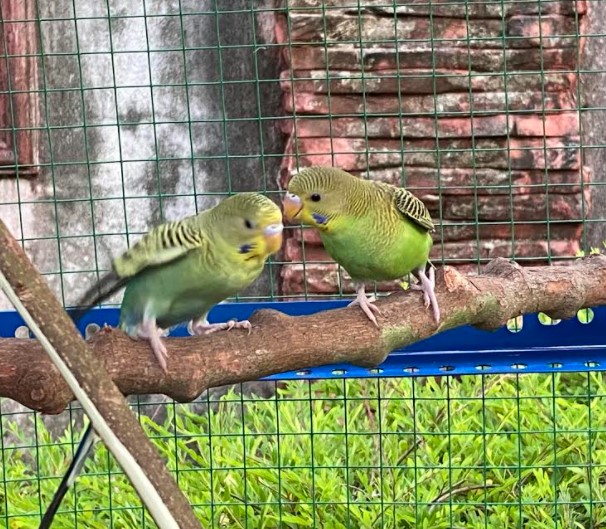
x,y
250,223
319,196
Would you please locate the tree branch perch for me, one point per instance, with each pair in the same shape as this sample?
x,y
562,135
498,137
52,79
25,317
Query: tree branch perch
x,y
280,343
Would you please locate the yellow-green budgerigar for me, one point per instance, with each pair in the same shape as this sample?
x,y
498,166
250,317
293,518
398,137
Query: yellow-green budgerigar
x,y
375,231
176,274
180,270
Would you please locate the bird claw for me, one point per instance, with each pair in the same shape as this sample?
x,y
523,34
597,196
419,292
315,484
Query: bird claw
x,y
427,285
205,328
371,299
160,352
426,300
419,288
153,334
366,304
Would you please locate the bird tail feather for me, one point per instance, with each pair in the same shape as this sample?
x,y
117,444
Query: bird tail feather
x,y
107,285
88,439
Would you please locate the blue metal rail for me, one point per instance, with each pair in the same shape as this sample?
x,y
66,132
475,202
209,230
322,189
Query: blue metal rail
x,y
567,346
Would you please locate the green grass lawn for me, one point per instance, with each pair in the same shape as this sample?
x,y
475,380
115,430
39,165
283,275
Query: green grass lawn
x,y
484,451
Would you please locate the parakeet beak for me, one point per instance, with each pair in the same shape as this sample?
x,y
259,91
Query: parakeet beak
x,y
273,237
292,205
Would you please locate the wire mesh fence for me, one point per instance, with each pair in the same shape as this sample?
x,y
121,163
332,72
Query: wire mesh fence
x,y
482,451
117,115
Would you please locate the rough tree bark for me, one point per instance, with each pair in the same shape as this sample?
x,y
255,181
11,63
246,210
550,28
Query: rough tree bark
x,y
36,296
281,343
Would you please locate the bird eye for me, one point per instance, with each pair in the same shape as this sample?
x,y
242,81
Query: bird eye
x,y
248,224
315,197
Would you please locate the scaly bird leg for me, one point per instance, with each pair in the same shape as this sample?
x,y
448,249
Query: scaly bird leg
x,y
150,331
426,299
428,287
365,303
201,326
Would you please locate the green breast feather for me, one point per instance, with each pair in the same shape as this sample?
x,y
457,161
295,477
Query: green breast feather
x,y
388,242
184,290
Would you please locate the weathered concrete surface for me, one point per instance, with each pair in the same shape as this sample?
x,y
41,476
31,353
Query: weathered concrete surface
x,y
139,149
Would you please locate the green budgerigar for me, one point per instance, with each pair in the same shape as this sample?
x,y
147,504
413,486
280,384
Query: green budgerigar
x,y
176,274
375,231
180,270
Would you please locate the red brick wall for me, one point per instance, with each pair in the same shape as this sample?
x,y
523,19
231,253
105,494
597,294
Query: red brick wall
x,y
472,106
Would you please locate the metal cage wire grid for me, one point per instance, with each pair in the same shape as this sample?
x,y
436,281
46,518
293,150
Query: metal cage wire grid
x,y
152,110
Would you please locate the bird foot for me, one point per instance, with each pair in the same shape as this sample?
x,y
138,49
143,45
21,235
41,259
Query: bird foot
x,y
366,304
153,334
427,286
203,327
426,299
